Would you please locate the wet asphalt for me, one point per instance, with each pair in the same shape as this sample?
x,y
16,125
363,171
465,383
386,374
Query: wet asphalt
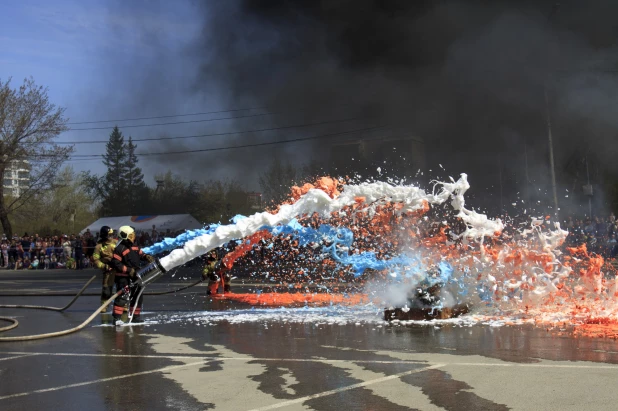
x,y
194,354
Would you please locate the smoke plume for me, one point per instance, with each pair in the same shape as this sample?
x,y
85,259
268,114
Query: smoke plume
x,y
473,80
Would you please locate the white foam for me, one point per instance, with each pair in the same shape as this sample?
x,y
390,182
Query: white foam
x,y
317,201
368,315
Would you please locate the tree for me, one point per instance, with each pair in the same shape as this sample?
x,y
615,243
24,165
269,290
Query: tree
x,y
61,209
136,190
110,189
29,124
171,196
220,201
68,198
211,202
277,180
114,180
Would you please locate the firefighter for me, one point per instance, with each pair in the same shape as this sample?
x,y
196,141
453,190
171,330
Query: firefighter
x,y
102,256
215,271
126,262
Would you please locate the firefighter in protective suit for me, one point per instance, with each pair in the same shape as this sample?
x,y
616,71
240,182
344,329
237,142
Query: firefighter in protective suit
x,y
126,263
215,271
102,256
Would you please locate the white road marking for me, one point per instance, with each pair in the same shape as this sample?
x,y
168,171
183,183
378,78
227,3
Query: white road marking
x,y
323,360
119,377
19,356
482,364
213,358
349,387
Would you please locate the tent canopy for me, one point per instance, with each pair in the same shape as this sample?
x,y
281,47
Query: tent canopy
x,y
162,223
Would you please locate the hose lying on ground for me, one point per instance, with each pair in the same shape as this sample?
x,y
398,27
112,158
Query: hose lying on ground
x,y
15,323
66,294
58,333
43,307
177,290
8,327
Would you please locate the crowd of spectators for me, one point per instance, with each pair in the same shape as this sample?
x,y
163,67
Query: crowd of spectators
x,y
281,259
146,238
283,254
72,251
599,234
38,252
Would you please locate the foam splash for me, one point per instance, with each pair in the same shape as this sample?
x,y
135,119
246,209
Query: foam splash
x,y
168,244
317,201
524,277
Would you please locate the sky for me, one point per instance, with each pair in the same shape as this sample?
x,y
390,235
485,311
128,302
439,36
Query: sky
x,y
468,78
94,55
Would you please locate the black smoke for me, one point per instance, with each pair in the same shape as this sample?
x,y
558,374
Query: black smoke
x,y
473,79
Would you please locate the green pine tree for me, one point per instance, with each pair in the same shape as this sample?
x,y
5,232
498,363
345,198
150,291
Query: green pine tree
x,y
136,191
114,182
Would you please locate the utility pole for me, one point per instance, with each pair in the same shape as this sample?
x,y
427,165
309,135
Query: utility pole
x,y
501,196
588,189
552,168
527,174
548,119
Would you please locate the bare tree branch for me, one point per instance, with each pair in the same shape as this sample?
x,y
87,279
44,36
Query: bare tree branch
x,y
29,124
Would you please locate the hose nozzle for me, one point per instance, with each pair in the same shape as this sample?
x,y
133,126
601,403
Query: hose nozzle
x,y
150,273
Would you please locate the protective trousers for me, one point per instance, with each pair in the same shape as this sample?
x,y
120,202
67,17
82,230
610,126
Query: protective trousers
x,y
108,285
124,298
214,281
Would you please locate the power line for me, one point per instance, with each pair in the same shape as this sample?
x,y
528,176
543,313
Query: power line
x,y
171,123
180,115
167,116
295,140
215,134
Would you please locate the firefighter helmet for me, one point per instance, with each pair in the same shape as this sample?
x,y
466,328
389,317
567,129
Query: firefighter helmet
x,y
106,232
125,231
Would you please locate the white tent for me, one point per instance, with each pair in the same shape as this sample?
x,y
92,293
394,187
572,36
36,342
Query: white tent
x,y
162,223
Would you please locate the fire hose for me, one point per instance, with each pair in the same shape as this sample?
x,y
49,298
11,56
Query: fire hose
x,y
144,277
43,307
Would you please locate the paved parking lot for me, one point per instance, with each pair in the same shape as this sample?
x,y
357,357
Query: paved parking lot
x,y
191,355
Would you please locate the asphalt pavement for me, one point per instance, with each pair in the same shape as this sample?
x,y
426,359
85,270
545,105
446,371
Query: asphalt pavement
x,y
195,353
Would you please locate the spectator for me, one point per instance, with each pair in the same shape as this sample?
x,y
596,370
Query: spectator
x,y
13,253
66,246
38,246
600,228
25,246
589,228
569,224
154,235
78,248
5,253
90,243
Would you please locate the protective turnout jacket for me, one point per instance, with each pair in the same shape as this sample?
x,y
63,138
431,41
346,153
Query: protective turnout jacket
x,y
127,256
103,254
211,267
